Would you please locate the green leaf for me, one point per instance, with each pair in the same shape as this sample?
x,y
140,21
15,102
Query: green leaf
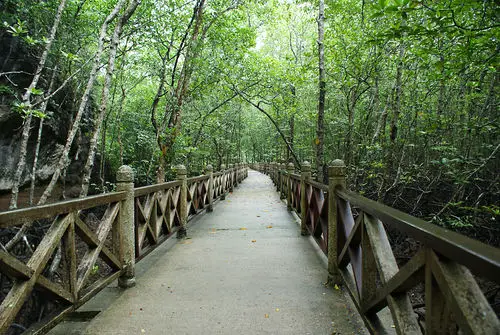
x,y
36,91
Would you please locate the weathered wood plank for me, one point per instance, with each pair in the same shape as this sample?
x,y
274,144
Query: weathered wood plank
x,y
69,257
89,237
97,286
140,191
437,313
91,255
49,322
480,258
197,179
11,218
372,322
368,266
352,240
55,290
18,270
354,251
472,311
21,289
399,303
408,276
317,185
14,268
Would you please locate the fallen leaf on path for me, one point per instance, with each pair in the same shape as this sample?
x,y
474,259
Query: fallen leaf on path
x,y
266,316
336,287
277,309
253,241
269,226
243,228
143,330
258,216
186,242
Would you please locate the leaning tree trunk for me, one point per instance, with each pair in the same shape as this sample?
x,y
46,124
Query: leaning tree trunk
x,y
27,102
87,170
320,129
64,159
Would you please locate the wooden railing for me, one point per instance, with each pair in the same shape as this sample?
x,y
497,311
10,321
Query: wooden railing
x,y
92,241
350,229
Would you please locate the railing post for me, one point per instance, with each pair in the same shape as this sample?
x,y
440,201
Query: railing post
x,y
210,171
236,174
181,176
126,229
271,172
231,178
224,182
290,170
281,179
275,174
336,178
304,177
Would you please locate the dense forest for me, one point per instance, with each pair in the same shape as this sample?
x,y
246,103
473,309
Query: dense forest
x,y
404,91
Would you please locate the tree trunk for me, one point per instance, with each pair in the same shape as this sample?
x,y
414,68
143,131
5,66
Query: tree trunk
x,y
27,102
64,159
171,126
38,140
87,170
320,129
382,121
397,103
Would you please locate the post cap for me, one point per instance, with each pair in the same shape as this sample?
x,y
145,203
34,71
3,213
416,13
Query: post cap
x,y
210,168
223,166
290,167
125,174
180,170
336,168
306,166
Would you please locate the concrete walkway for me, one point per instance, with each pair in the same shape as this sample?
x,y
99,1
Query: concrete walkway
x,y
244,269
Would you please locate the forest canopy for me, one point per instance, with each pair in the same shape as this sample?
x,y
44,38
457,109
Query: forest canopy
x,y
405,92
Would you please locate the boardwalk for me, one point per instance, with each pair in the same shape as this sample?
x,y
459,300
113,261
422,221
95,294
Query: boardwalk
x,y
244,269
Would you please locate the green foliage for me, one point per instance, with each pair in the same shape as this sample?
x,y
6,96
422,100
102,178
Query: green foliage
x,y
412,90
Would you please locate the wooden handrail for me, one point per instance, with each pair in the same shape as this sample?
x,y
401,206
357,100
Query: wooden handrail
x,y
140,191
317,185
374,279
136,221
477,256
13,218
